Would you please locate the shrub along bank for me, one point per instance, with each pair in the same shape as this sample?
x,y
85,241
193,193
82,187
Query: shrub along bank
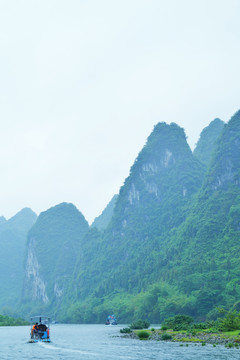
x,y
181,328
9,321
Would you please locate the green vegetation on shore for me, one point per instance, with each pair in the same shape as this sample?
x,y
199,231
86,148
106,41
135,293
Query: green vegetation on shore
x,y
9,321
140,324
181,328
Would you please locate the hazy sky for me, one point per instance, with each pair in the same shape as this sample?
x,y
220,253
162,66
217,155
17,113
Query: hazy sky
x,y
83,82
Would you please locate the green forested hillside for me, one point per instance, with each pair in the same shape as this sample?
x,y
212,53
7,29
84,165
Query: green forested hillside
x,y
13,238
102,221
54,242
160,267
123,261
172,245
207,244
207,141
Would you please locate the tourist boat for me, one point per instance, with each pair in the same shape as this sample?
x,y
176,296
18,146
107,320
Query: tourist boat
x,y
111,320
40,329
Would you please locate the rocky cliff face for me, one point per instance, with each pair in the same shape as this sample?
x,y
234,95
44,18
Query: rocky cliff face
x,y
13,239
33,282
54,243
160,182
224,171
208,141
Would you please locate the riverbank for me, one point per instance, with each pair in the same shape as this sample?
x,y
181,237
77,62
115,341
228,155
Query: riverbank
x,y
228,339
10,321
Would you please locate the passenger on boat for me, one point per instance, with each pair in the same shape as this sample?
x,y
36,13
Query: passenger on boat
x,y
34,329
42,331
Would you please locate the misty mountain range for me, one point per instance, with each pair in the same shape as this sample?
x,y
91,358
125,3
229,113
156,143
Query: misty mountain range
x,y
168,243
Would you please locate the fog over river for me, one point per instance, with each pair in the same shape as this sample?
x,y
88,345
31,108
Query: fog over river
x,y
88,342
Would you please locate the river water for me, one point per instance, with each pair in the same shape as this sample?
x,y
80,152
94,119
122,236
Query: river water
x,y
100,342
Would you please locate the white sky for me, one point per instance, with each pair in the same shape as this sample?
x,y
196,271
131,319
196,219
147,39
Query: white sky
x,y
83,82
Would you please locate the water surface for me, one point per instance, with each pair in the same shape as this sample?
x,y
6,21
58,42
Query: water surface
x,y
90,342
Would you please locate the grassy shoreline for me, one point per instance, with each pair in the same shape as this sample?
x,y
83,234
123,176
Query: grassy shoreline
x,y
182,328
229,339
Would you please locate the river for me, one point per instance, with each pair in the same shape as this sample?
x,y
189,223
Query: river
x,y
100,342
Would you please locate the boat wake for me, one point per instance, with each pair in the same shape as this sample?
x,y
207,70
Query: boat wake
x,y
58,348
82,352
